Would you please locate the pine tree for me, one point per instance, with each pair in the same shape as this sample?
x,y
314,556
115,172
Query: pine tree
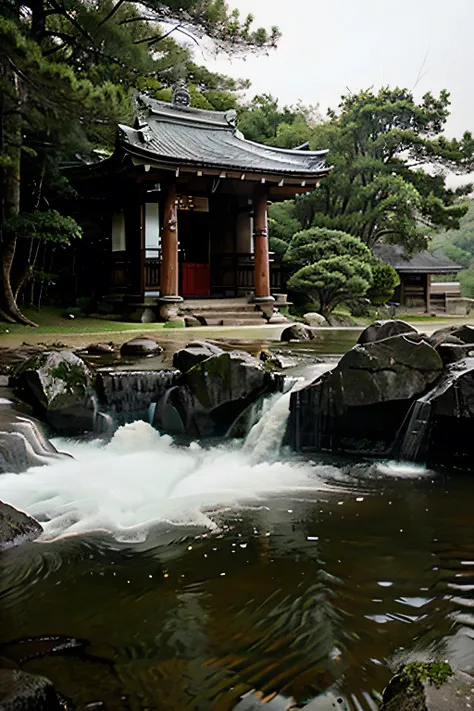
x,y
67,74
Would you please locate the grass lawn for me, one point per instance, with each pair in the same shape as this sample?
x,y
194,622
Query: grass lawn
x,y
50,320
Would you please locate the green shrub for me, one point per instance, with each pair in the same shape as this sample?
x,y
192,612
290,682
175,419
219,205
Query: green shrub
x,y
384,282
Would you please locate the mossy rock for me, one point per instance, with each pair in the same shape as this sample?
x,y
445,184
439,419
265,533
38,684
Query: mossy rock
x,y
59,386
214,393
427,686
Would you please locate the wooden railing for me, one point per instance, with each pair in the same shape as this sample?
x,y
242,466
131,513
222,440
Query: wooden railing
x,y
228,272
237,271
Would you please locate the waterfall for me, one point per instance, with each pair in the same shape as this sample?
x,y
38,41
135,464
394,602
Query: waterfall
x,y
141,478
127,395
264,441
412,440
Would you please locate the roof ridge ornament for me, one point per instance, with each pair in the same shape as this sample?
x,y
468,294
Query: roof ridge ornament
x,y
181,96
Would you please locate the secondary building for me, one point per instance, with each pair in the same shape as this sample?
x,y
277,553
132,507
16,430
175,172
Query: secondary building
x,y
415,272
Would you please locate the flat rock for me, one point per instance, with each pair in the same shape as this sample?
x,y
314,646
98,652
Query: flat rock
x,y
314,319
100,349
16,528
464,333
194,353
379,330
296,332
140,347
276,360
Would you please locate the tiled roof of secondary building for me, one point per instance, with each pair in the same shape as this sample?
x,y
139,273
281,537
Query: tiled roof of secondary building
x,y
421,263
182,135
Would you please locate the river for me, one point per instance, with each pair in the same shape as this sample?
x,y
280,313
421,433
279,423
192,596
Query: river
x,y
174,576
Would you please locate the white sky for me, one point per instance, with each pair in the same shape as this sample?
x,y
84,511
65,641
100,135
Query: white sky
x,y
329,45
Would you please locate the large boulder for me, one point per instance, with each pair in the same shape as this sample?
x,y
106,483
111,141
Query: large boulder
x,y
296,332
140,347
194,353
439,427
361,404
212,394
379,330
59,386
20,691
16,527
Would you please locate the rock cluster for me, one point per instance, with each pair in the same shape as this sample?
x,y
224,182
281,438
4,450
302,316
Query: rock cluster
x,y
213,391
397,393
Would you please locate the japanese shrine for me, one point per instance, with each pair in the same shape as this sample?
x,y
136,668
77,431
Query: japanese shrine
x,y
187,196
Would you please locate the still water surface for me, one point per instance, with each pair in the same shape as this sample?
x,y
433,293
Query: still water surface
x,y
216,570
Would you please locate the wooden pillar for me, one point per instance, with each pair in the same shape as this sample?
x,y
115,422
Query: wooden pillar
x,y
262,261
428,293
169,245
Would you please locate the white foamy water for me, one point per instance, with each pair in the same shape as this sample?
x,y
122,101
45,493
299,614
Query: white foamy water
x,y
141,478
403,470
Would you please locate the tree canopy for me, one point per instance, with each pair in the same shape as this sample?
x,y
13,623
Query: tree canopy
x,y
389,159
457,244
390,156
263,120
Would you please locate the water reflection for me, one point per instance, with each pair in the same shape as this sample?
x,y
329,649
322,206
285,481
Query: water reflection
x,y
295,596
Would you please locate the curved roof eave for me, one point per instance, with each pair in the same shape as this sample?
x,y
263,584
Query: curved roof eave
x,y
153,158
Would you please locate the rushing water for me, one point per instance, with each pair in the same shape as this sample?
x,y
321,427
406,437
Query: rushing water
x,y
203,572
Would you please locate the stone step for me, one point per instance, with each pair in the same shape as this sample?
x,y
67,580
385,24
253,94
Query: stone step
x,y
223,321
256,315
243,321
219,309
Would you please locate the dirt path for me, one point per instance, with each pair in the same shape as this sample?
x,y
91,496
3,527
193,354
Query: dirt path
x,y
181,336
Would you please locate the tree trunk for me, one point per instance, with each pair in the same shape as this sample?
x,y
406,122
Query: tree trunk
x,y
10,196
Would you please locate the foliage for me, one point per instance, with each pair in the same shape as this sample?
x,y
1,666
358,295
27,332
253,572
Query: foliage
x,y
282,225
317,243
329,266
46,225
416,673
457,244
384,282
264,121
379,146
466,280
333,281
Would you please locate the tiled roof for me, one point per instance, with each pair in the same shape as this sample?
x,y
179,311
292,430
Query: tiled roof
x,y
421,263
187,136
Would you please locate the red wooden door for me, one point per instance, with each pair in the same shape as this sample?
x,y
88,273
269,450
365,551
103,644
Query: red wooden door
x,y
195,279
